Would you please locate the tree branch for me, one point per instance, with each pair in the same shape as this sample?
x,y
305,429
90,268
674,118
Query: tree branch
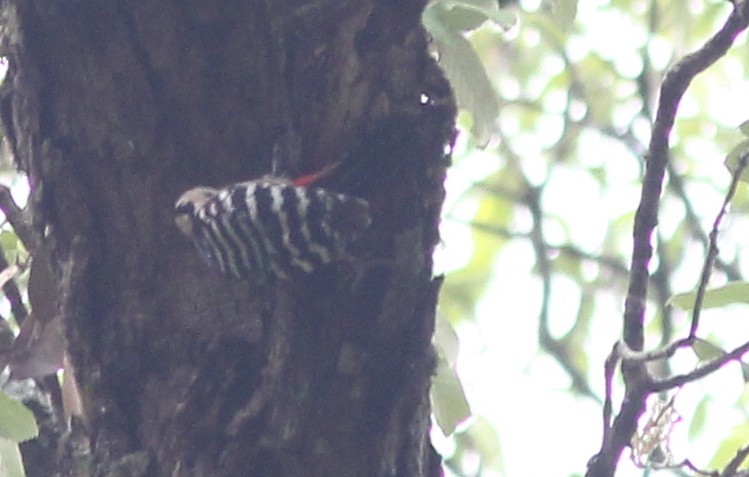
x,y
704,370
18,218
675,83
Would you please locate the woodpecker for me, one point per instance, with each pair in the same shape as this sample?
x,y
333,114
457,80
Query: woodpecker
x,y
271,227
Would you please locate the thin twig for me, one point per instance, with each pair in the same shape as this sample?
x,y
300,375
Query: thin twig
x,y
609,369
631,356
730,470
702,371
689,465
712,248
676,185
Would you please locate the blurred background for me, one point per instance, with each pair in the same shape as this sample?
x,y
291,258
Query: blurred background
x,y
557,100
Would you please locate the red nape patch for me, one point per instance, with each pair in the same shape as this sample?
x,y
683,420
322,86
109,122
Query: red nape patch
x,y
309,179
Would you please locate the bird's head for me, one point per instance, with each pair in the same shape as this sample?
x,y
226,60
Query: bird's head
x,y
188,205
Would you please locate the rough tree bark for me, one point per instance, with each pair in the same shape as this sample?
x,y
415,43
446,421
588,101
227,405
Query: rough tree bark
x,y
113,108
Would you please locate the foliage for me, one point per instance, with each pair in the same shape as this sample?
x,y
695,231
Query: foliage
x,y
17,424
16,421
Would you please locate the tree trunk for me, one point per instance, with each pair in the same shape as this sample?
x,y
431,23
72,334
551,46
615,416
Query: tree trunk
x,y
114,108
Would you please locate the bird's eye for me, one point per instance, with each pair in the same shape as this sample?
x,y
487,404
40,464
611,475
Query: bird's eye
x,y
187,208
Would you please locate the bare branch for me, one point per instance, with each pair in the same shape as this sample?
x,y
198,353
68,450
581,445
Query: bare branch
x,y
733,466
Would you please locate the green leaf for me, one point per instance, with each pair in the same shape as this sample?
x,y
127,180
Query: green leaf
x,y
434,22
467,15
698,420
17,422
449,402
744,371
489,9
734,156
450,19
728,446
706,351
481,439
564,12
9,240
473,90
729,294
446,340
744,128
11,464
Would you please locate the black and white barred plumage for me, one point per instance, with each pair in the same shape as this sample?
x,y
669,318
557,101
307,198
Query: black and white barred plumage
x,y
270,228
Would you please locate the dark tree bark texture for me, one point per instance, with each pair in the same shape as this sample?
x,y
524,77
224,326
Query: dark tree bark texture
x,y
114,108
